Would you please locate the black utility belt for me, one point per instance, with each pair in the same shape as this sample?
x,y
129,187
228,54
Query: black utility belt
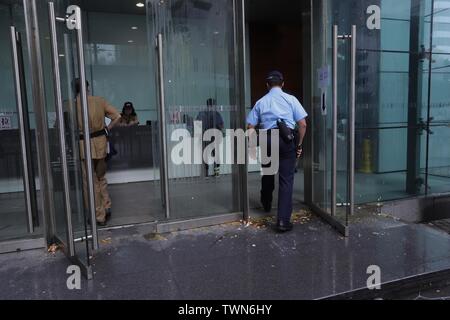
x,y
270,130
96,134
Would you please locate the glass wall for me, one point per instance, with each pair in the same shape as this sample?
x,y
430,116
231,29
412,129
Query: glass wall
x,y
389,101
401,108
437,67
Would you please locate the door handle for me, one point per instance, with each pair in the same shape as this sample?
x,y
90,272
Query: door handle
x,y
352,117
334,123
25,132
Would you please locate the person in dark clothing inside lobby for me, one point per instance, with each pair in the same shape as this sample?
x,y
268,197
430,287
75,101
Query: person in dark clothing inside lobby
x,y
211,119
279,110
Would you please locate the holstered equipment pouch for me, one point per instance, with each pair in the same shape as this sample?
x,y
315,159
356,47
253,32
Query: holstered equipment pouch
x,y
286,133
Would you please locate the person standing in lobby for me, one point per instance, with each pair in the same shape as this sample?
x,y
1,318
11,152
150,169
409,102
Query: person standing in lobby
x,y
99,108
129,117
212,119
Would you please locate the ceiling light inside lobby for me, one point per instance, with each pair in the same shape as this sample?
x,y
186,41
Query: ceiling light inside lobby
x,y
140,5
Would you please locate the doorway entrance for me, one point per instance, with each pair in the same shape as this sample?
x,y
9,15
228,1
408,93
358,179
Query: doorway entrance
x,y
275,41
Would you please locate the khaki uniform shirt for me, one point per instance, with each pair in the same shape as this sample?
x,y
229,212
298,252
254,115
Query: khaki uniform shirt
x,y
99,108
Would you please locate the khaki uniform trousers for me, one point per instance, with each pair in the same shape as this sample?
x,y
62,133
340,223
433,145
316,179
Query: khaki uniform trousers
x,y
102,198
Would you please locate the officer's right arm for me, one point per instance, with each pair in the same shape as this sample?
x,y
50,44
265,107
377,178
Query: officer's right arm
x,y
253,117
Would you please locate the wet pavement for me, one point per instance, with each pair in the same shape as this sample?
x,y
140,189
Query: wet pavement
x,y
234,261
433,294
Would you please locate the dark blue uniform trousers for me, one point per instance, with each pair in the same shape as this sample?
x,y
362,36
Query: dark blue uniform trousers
x,y
288,157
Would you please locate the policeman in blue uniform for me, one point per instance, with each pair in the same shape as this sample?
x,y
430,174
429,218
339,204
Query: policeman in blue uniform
x,y
275,110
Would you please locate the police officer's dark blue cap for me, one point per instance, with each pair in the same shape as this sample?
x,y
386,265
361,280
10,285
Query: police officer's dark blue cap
x,y
275,76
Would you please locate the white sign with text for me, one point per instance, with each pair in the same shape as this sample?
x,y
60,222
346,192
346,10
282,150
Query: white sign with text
x,y
5,123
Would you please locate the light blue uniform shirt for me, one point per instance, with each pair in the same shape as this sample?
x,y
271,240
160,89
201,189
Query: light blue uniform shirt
x,y
274,106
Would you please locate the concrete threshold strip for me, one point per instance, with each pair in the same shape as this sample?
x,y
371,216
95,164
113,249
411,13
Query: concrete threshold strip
x,y
396,289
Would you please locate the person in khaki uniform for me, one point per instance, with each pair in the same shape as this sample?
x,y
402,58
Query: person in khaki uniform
x,y
99,108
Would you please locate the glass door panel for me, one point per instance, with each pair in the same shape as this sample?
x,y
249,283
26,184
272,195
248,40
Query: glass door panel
x,y
72,223
19,214
121,67
342,129
438,161
333,115
391,100
198,72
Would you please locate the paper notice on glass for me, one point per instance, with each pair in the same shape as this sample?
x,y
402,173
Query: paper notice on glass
x,y
5,123
323,75
51,118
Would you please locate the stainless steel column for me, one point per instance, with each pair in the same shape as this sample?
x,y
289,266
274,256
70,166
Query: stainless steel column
x,y
351,131
24,127
33,45
86,131
61,126
241,192
334,124
162,128
352,111
68,55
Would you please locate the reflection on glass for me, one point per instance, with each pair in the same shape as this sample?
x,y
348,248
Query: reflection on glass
x,y
198,66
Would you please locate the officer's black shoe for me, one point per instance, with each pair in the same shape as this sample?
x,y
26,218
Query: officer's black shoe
x,y
284,227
